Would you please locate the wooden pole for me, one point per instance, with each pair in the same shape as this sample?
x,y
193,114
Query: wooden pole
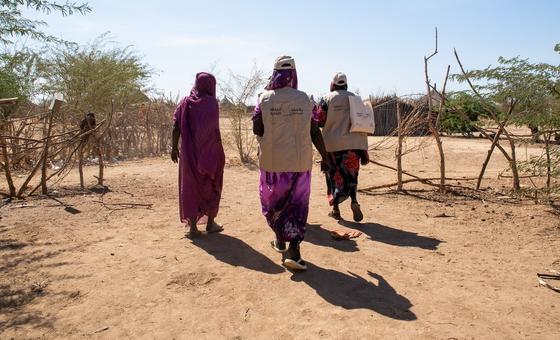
x,y
399,148
45,155
487,160
55,107
81,165
6,165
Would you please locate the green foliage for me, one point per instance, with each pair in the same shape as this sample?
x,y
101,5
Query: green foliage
x,y
92,76
14,25
24,64
531,86
9,85
474,109
537,165
9,88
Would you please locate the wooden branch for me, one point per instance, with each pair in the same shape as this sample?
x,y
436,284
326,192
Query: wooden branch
x,y
6,166
46,155
8,101
487,160
399,148
435,50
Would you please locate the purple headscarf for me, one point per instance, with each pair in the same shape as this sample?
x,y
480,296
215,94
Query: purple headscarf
x,y
202,159
283,78
278,80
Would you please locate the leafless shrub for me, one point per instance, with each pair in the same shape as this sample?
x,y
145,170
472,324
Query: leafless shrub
x,y
238,90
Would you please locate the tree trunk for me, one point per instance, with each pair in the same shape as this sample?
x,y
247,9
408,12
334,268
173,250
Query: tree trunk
x,y
513,163
547,137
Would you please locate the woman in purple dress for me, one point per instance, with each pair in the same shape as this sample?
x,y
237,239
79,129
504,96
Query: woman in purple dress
x,y
201,156
283,121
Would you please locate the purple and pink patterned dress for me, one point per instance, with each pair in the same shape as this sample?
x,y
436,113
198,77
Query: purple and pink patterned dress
x,y
284,195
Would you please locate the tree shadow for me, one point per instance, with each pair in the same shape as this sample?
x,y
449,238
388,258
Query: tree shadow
x,y
67,207
392,236
319,236
19,264
236,253
11,244
351,291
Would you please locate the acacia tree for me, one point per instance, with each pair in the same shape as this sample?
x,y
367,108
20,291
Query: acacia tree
x,y
21,62
525,94
94,76
14,25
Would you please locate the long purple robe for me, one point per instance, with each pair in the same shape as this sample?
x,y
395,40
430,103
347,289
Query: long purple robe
x,y
284,195
202,158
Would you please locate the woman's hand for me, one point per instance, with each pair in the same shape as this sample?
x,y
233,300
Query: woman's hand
x,y
365,158
326,164
175,155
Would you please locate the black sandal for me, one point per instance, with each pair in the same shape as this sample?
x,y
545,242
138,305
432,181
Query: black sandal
x,y
358,215
335,214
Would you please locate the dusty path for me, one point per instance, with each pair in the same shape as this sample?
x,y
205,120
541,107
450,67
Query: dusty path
x,y
128,273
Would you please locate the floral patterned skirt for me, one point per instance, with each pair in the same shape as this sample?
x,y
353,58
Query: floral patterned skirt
x,y
342,179
285,203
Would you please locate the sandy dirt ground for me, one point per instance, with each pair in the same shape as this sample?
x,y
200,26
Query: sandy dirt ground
x,y
116,265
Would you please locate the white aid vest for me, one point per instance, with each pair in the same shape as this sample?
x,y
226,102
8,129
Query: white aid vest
x,y
286,144
336,132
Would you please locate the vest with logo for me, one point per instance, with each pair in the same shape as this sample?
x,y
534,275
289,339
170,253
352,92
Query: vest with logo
x,y
286,144
336,132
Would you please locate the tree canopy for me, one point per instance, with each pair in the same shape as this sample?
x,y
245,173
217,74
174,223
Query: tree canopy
x,y
14,25
533,87
92,76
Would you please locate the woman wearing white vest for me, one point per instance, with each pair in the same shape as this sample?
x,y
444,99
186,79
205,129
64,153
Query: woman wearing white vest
x,y
346,150
285,128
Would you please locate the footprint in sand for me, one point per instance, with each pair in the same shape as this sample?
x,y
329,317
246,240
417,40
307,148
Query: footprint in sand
x,y
194,279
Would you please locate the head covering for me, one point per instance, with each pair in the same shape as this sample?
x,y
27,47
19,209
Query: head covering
x,y
285,63
339,82
340,79
204,85
284,74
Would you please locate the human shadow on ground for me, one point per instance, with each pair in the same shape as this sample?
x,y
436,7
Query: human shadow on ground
x,y
236,253
392,236
319,236
351,291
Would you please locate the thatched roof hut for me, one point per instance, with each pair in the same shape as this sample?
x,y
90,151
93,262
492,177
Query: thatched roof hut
x,y
385,114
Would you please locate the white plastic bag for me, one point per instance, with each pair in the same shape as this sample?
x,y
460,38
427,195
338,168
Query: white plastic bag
x,y
361,115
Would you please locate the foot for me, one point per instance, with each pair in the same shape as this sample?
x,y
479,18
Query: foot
x,y
214,227
292,258
280,247
296,265
335,214
193,233
358,216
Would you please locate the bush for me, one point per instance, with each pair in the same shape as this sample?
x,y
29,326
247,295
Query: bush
x,y
453,122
